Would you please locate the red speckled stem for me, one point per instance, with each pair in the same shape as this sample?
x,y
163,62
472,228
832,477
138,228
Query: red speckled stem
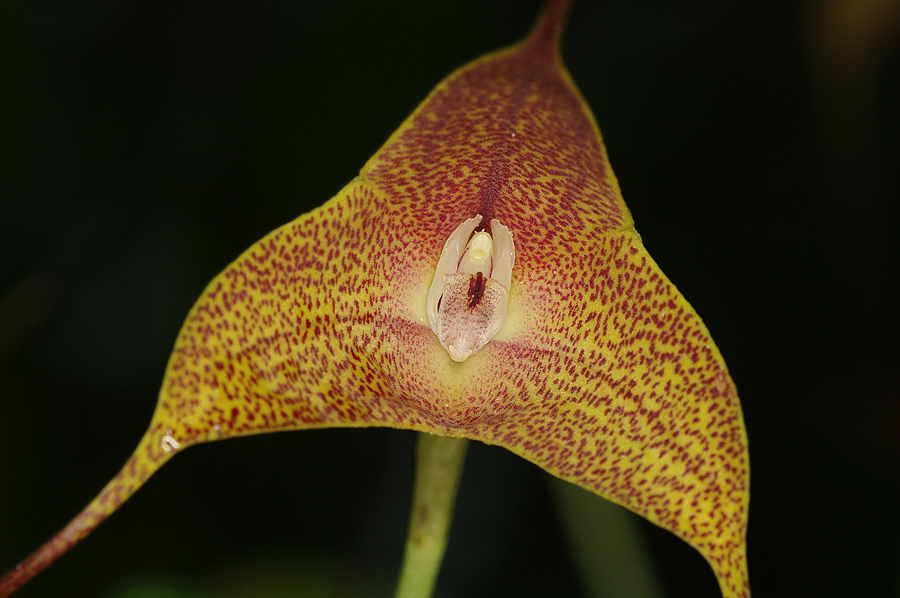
x,y
439,463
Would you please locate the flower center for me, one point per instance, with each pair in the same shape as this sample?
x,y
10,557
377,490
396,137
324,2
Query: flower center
x,y
469,295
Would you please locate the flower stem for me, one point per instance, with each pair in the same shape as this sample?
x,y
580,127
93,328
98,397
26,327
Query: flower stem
x,y
438,466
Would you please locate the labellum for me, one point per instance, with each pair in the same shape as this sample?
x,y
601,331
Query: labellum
x,y
469,295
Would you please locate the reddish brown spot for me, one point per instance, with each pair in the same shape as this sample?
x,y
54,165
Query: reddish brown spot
x,y
476,290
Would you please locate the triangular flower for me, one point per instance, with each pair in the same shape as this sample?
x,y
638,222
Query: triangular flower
x,y
589,362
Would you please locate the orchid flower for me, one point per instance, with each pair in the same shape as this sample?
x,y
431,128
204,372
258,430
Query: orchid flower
x,y
481,278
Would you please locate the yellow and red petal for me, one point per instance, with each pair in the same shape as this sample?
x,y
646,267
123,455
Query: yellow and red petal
x,y
602,373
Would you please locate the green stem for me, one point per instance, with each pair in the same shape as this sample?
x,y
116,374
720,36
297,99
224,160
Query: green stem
x,y
438,466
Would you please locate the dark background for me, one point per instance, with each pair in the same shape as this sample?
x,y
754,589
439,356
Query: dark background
x,y
146,144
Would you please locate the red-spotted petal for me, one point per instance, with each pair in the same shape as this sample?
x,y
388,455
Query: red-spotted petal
x,y
602,373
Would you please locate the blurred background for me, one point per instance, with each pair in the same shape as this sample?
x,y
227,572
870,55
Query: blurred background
x,y
146,144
